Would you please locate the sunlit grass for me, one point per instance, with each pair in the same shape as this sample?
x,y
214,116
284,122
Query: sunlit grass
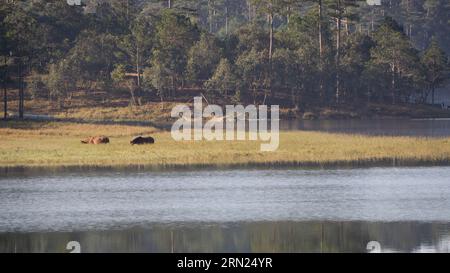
x,y
58,144
158,113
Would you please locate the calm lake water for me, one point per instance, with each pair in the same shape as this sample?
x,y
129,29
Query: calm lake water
x,y
405,209
382,127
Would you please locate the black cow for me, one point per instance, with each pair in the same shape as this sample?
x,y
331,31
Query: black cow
x,y
142,140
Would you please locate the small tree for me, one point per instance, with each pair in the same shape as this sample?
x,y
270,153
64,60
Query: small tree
x,y
253,73
118,75
287,73
158,78
222,81
60,82
175,35
394,53
203,58
35,85
435,63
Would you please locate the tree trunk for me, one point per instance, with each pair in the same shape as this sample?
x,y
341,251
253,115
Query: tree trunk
x,y
347,30
173,86
133,97
216,24
226,20
410,32
321,91
169,4
270,36
210,15
137,67
338,51
5,93
5,102
270,51
432,94
372,21
20,90
131,87
393,84
320,30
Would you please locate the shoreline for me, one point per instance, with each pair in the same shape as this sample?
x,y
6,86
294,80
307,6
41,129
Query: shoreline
x,y
356,164
153,113
166,126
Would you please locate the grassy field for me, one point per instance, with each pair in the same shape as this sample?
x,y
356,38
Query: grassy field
x,y
25,144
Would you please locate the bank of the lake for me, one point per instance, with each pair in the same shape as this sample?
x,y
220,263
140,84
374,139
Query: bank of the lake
x,y
51,144
84,106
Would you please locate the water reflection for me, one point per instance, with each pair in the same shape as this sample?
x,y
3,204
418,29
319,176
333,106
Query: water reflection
x,y
243,237
388,127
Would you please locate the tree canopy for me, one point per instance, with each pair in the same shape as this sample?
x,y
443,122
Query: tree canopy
x,y
292,52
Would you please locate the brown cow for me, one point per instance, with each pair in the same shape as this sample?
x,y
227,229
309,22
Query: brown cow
x,y
142,140
96,140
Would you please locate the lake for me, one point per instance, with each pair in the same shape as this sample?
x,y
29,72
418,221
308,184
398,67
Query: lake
x,y
290,210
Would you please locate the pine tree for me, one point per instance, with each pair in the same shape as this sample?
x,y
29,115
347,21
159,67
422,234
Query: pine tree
x,y
436,67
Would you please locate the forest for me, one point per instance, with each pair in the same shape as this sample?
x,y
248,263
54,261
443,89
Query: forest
x,y
295,53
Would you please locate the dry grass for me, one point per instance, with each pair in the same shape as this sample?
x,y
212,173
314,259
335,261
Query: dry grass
x,y
58,144
151,112
30,130
115,107
82,107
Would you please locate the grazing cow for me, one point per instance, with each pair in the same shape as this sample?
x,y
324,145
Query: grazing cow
x,y
142,140
96,140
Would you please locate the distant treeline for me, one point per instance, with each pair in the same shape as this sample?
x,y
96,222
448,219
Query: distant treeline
x,y
294,52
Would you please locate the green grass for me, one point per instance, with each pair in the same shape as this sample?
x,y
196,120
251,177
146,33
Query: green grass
x,y
53,144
